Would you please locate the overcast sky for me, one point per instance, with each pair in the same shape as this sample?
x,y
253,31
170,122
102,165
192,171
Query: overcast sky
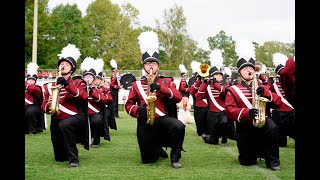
x,y
256,20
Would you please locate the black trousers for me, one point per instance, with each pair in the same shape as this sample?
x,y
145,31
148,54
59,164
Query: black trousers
x,y
115,99
217,123
254,142
33,119
96,125
165,132
64,138
286,125
200,118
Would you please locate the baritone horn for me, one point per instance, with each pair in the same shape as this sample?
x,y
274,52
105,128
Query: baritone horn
x,y
203,70
55,96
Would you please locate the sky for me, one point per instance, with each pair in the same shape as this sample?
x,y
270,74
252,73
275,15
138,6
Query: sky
x,y
255,20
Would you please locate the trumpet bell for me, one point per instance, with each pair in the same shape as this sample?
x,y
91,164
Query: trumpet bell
x,y
203,70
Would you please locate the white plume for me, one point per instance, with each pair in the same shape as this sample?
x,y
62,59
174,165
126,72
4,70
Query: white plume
x,y
32,68
279,58
216,58
98,65
195,65
87,64
148,42
70,51
113,63
182,68
245,49
227,71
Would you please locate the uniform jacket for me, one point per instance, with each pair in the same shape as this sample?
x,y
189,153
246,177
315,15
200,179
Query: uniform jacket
x,y
33,94
183,88
285,105
138,94
215,95
239,101
194,90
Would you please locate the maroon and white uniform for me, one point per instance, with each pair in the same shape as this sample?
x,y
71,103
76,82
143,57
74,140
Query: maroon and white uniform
x,y
114,83
201,109
194,90
32,91
70,97
277,88
97,99
139,90
183,88
215,93
239,101
288,80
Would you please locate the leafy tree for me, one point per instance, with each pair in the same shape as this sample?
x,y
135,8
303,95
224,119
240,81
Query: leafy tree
x,y
227,46
265,51
66,25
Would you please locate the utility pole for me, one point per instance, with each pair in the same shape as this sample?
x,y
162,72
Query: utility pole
x,y
35,32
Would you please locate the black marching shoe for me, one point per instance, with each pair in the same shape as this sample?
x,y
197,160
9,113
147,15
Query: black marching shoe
x,y
163,153
73,164
176,165
275,168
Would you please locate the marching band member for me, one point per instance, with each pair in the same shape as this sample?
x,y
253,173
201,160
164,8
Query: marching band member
x,y
252,141
166,130
183,87
115,87
34,117
96,103
214,92
70,126
200,106
288,80
283,115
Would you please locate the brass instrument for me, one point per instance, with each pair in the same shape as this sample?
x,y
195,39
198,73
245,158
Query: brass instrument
x,y
257,101
203,70
151,98
55,96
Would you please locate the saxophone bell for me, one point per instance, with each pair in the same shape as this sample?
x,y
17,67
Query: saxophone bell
x,y
54,98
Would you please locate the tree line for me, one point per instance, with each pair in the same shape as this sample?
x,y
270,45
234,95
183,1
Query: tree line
x,y
110,31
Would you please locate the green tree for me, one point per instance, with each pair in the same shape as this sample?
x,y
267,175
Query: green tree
x,y
114,37
265,51
173,37
227,46
66,25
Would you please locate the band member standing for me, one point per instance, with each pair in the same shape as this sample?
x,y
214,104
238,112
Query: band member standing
x,y
183,87
288,80
200,106
70,126
217,120
115,87
166,130
252,141
34,117
284,115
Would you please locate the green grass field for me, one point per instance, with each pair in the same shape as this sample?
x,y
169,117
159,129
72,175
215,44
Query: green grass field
x,y
120,159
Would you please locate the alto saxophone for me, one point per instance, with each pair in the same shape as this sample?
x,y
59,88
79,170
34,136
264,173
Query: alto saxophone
x,y
258,102
151,98
55,96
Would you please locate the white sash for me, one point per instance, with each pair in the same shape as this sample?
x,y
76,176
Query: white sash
x,y
144,96
282,98
27,101
242,97
65,110
93,108
213,100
